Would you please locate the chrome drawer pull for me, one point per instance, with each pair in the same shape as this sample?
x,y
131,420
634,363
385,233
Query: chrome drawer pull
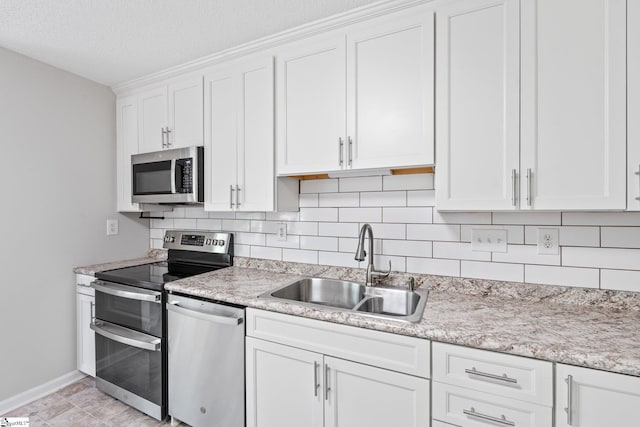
x,y
316,384
502,377
568,409
502,420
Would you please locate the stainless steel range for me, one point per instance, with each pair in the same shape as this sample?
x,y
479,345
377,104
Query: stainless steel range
x,y
131,319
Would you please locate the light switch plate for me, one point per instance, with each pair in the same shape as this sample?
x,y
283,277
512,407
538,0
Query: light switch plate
x,y
489,240
548,241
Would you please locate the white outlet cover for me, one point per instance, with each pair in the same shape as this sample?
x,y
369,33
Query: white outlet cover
x,y
112,227
548,241
282,232
489,240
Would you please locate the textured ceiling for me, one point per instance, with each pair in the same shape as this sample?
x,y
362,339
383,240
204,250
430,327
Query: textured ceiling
x,y
112,41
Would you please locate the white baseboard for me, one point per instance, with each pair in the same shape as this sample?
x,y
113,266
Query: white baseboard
x,y
37,392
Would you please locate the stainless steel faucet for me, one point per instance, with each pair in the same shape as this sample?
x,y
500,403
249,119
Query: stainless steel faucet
x,y
372,273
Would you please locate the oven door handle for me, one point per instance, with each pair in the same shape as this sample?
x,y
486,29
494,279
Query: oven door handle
x,y
127,291
126,336
232,321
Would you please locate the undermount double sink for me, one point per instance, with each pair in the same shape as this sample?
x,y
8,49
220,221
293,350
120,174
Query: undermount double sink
x,y
383,302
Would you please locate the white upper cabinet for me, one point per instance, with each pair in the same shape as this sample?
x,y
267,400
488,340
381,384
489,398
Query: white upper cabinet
x,y
239,145
633,105
531,105
358,99
311,106
477,104
171,116
127,144
573,104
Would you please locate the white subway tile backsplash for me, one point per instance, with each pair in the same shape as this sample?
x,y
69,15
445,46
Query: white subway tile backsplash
x,y
339,200
185,223
292,241
209,224
156,233
161,223
622,259
458,250
388,231
565,276
318,186
434,232
308,200
178,212
360,214
381,263
438,267
492,271
407,215
250,215
569,236
156,243
461,217
298,255
257,239
348,244
620,237
236,225
515,233
338,229
222,215
338,259
421,198
242,250
524,254
319,243
621,280
264,226
602,218
194,212
422,181
282,216
319,214
383,198
526,218
302,228
411,248
366,183
266,252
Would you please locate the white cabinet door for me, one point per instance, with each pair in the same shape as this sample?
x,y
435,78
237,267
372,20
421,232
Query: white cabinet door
x,y
311,106
152,110
185,113
597,398
363,396
633,105
390,91
127,144
477,105
86,352
220,139
573,104
284,386
256,157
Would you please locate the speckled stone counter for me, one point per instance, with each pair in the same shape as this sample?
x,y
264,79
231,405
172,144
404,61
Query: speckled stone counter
x,y
584,327
154,255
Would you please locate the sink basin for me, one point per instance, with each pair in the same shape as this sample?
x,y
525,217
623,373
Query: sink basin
x,y
382,302
326,292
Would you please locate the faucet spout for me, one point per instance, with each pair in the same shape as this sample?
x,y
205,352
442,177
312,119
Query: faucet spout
x,y
372,273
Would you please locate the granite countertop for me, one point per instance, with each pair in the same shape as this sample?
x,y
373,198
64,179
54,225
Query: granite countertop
x,y
583,327
154,255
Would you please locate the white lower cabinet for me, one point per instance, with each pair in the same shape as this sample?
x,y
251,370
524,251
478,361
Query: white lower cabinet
x,y
85,338
591,398
289,386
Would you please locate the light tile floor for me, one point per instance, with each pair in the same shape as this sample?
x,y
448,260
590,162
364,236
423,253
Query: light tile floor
x,y
81,405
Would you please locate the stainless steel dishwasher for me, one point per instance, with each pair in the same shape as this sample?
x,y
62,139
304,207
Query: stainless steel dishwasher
x,y
206,362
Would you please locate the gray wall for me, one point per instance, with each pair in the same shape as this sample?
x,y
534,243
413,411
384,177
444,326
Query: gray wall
x,y
57,173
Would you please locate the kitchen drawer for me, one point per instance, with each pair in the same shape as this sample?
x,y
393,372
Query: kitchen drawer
x,y
470,408
436,423
382,349
505,375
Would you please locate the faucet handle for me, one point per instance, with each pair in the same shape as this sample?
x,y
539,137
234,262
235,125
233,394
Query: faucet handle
x,y
383,274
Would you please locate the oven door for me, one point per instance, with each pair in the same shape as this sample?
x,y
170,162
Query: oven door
x,y
129,366
134,308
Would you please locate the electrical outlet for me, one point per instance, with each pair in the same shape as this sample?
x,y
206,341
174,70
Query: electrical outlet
x,y
112,227
489,240
548,241
282,232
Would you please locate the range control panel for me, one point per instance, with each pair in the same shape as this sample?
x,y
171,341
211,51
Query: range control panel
x,y
198,240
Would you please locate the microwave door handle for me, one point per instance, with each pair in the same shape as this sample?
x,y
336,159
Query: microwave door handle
x,y
174,178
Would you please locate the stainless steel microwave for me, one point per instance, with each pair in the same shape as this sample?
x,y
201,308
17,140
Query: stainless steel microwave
x,y
169,176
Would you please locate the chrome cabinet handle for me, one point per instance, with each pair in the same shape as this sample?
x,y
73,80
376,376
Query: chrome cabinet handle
x,y
168,140
350,151
164,133
529,183
316,385
326,382
502,420
514,186
126,336
340,151
231,190
637,173
237,196
568,409
92,311
502,377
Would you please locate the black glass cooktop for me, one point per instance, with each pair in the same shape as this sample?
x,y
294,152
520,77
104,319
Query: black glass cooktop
x,y
153,276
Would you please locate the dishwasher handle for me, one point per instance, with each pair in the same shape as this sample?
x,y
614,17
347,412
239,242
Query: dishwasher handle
x,y
176,308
